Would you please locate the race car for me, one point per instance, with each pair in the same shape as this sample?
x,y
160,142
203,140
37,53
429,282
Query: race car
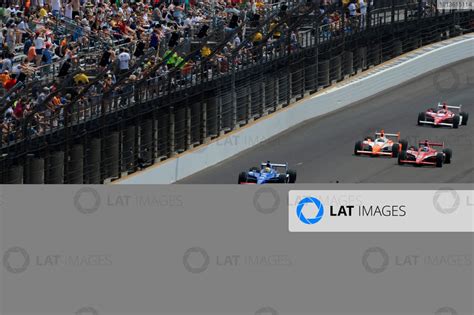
x,y
443,116
381,145
426,154
268,173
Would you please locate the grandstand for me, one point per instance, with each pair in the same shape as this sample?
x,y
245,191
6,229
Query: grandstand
x,y
127,85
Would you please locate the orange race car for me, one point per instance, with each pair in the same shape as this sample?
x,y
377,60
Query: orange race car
x,y
382,144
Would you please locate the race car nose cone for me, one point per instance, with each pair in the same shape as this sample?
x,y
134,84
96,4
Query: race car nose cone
x,y
376,148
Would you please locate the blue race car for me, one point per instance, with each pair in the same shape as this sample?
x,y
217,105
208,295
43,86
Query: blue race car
x,y
268,174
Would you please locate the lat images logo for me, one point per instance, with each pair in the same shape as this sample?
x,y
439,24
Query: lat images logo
x,y
310,202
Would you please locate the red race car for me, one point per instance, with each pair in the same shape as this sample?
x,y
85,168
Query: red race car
x,y
443,116
425,154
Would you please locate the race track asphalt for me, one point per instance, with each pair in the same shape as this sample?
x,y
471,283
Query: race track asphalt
x,y
321,150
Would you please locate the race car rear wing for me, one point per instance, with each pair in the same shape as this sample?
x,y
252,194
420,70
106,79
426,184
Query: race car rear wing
x,y
274,164
450,106
383,133
431,144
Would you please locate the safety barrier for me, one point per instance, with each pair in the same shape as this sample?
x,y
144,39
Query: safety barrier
x,y
393,73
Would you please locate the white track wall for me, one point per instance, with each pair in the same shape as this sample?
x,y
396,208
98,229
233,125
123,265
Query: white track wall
x,y
381,78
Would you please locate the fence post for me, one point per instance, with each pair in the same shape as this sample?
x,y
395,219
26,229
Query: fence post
x,y
288,68
233,95
369,15
316,55
420,9
172,131
188,129
204,122
249,104
393,12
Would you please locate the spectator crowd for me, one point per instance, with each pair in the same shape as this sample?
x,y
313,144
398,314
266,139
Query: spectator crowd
x,y
61,53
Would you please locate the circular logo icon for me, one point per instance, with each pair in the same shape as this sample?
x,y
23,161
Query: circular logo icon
x,y
451,84
444,194
198,251
257,200
446,311
19,251
310,200
87,311
266,311
87,193
375,251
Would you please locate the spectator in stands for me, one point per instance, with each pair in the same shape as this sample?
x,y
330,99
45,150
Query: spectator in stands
x,y
81,79
68,10
4,77
48,54
39,43
25,70
352,9
23,29
71,29
64,69
10,82
31,54
124,60
56,8
18,108
140,48
7,63
10,37
155,38
108,56
76,8
363,13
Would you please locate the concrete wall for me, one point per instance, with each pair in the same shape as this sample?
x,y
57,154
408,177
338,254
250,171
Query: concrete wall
x,y
381,78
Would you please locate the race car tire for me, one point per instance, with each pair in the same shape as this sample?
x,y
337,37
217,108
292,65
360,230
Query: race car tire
x,y
456,121
357,147
403,144
242,178
448,153
413,148
401,157
254,169
465,117
292,176
282,179
395,150
421,117
369,138
439,159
